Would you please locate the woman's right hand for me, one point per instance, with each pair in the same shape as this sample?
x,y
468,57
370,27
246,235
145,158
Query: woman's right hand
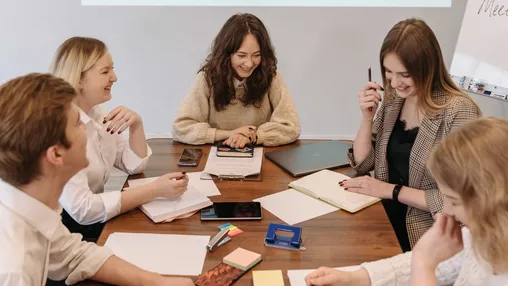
x,y
171,185
369,99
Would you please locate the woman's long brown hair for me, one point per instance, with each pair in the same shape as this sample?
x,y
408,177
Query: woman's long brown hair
x,y
219,73
416,45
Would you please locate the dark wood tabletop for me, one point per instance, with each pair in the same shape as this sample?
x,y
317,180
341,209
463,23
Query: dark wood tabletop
x,y
336,239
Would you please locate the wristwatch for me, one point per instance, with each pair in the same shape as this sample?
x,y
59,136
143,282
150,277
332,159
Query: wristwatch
x,y
396,191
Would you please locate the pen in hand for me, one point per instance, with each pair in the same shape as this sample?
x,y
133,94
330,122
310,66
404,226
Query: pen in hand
x,y
370,79
179,178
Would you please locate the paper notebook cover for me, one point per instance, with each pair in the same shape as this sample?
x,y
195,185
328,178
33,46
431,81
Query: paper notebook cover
x,y
242,259
227,151
220,275
161,209
324,185
268,278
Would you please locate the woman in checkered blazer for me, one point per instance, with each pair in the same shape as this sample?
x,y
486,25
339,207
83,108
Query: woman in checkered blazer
x,y
421,106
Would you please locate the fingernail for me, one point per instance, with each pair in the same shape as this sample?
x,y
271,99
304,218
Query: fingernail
x,y
108,129
382,89
119,132
104,122
345,189
112,132
341,184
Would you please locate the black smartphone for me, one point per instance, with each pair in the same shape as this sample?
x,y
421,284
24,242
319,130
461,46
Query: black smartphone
x,y
190,157
232,211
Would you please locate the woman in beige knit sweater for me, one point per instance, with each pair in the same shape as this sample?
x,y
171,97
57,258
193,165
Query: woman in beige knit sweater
x,y
238,95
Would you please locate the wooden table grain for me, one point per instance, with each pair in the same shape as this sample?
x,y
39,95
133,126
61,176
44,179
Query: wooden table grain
x,y
334,240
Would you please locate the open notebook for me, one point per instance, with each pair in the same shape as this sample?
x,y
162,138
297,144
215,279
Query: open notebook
x,y
163,209
324,185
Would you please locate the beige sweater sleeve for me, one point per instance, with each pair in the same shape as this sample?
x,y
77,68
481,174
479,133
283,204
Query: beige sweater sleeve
x,y
191,123
284,124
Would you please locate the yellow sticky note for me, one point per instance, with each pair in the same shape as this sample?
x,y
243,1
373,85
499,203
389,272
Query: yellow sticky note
x,y
268,278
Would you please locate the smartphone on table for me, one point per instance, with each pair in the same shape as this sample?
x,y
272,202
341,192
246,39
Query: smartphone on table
x,y
190,157
232,211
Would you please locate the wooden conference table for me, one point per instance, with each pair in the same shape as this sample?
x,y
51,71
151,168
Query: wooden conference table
x,y
334,240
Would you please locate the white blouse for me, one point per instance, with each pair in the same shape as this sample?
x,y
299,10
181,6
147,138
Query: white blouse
x,y
464,269
83,196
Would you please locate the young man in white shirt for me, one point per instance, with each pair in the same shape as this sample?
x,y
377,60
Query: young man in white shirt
x,y
43,144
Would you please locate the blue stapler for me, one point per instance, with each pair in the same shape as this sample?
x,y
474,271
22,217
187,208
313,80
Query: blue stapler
x,y
284,236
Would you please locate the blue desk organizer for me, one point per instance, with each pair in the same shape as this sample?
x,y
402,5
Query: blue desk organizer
x,y
285,242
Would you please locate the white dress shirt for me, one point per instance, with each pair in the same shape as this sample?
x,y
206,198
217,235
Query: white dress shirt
x,y
34,244
83,197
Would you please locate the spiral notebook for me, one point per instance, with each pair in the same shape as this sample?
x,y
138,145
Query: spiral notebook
x,y
324,186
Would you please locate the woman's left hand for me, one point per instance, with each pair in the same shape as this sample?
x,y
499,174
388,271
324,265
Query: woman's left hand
x,y
237,141
368,186
122,118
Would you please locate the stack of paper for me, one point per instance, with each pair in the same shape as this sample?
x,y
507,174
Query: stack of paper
x,y
224,166
268,278
324,185
166,254
242,259
163,209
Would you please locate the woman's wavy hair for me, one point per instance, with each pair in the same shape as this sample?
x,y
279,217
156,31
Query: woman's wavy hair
x,y
219,73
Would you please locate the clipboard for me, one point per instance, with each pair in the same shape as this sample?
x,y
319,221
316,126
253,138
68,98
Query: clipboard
x,y
235,169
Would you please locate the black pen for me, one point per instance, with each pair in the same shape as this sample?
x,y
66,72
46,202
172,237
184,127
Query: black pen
x,y
370,80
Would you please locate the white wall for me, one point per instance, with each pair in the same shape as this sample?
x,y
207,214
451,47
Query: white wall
x,y
323,52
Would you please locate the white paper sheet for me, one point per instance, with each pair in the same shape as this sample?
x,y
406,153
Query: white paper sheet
x,y
167,254
234,166
206,187
294,207
297,277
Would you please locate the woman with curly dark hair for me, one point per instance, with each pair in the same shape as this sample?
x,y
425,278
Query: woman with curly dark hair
x,y
238,95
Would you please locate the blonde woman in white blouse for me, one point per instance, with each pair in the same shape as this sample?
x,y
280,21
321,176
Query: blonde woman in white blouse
x,y
88,66
470,169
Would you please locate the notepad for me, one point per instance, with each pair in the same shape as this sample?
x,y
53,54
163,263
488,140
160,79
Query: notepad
x,y
268,278
166,254
324,185
242,259
294,207
162,209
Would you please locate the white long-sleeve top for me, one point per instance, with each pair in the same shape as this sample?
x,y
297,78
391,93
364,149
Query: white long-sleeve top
x,y
83,196
34,244
464,269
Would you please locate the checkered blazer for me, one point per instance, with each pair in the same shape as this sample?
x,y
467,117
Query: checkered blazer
x,y
431,132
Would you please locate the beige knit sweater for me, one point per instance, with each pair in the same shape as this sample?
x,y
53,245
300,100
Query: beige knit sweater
x,y
276,119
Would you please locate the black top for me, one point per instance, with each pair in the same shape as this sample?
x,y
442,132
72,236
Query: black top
x,y
398,151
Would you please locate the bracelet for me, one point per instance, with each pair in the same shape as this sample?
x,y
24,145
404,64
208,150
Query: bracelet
x,y
396,191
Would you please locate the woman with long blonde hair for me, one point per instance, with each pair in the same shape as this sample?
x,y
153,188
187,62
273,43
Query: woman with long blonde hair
x,y
421,107
88,66
470,169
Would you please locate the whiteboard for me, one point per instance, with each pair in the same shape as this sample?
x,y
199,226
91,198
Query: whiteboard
x,y
274,3
323,52
482,43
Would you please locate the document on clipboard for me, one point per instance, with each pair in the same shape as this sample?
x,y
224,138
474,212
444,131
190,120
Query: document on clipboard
x,y
227,168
